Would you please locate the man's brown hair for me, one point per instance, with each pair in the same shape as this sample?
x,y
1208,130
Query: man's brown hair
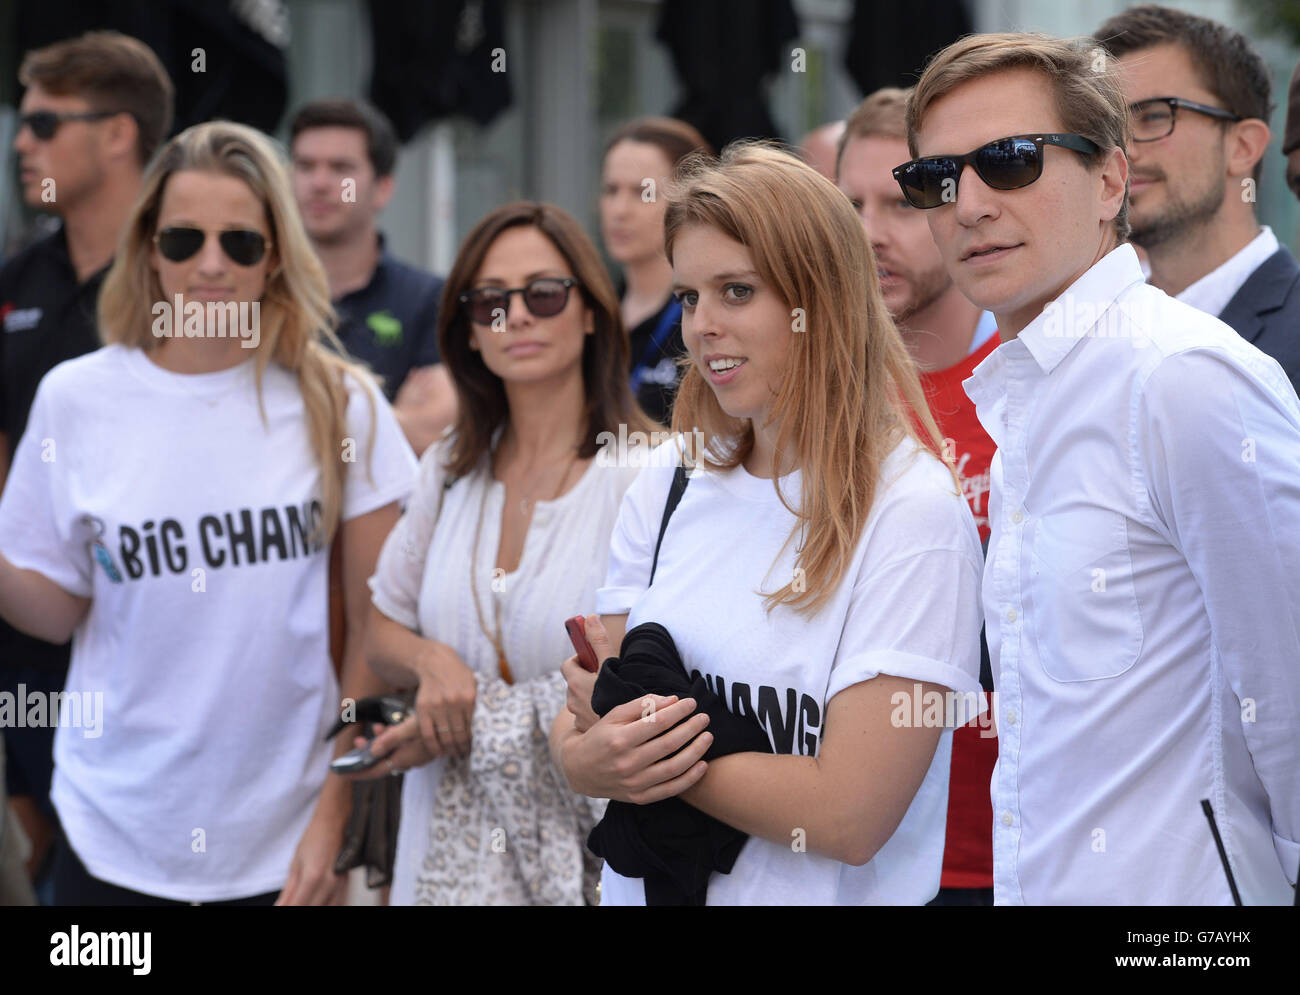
x,y
1085,86
111,72
883,114
1224,60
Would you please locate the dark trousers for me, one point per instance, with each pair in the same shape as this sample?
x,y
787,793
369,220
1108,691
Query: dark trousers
x,y
74,885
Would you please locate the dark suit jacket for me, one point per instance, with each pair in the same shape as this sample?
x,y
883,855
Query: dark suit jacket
x,y
1266,311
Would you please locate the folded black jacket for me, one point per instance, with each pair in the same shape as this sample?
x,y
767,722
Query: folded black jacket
x,y
671,844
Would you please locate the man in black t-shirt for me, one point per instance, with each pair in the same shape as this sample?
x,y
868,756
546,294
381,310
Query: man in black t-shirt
x,y
94,111
343,154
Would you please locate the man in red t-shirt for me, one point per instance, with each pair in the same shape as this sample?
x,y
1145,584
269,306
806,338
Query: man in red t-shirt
x,y
948,337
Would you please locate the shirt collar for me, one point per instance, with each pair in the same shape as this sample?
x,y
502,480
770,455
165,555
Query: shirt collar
x,y
1075,312
1212,292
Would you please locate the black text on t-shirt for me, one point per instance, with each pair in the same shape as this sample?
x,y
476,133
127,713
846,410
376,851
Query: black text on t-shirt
x,y
225,539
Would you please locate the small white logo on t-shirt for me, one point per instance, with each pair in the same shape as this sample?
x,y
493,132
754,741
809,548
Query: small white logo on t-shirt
x,y
23,319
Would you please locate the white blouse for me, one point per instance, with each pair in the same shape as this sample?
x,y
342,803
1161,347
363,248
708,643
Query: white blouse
x,y
422,582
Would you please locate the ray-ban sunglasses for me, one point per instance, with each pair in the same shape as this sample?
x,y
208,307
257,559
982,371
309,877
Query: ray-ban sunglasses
x,y
545,298
1003,164
242,246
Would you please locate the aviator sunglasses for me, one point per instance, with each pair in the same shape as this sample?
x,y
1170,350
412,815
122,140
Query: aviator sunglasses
x,y
544,298
241,246
1004,164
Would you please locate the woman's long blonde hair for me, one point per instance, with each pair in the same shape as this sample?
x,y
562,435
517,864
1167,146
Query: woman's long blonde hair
x,y
296,317
850,392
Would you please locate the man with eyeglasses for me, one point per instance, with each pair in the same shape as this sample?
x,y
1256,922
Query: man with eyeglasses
x,y
1199,95
94,111
1141,597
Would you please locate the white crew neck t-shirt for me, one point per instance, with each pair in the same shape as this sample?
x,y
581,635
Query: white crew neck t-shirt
x,y
211,651
908,606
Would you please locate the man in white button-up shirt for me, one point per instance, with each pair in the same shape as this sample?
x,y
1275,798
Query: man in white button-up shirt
x,y
1142,592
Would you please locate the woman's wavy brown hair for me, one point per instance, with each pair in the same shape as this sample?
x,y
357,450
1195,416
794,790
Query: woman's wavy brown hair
x,y
482,406
850,392
296,317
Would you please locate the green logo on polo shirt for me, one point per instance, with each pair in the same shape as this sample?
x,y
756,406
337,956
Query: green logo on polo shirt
x,y
387,329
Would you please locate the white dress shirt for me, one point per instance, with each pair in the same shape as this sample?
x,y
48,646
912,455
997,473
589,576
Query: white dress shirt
x,y
1142,602
1212,292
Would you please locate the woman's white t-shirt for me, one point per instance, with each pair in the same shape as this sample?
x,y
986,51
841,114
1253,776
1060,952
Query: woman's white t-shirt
x,y
422,581
908,606
210,656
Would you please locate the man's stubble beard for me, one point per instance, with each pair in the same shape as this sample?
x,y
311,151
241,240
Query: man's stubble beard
x,y
1178,218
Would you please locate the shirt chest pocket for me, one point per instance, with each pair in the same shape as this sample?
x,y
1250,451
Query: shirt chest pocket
x,y
1083,613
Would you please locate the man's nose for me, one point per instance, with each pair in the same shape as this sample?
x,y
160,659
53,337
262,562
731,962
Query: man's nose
x,y
974,199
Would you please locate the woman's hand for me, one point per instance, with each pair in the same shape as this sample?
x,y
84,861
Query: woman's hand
x,y
628,756
444,703
581,681
401,747
312,880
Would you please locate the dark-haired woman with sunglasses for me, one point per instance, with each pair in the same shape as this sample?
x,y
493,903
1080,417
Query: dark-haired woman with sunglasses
x,y
494,552
171,508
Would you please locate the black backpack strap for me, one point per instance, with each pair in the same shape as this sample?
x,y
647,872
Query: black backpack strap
x,y
675,492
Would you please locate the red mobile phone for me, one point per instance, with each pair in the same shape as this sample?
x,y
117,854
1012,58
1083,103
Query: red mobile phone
x,y
577,630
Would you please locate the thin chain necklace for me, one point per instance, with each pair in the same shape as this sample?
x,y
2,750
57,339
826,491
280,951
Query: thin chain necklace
x,y
494,637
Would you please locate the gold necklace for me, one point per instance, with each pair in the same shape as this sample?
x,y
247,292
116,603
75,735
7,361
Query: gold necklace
x,y
495,638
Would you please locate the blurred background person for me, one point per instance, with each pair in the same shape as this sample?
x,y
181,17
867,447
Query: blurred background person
x,y
344,156
180,534
95,110
948,336
1199,94
820,147
639,160
505,537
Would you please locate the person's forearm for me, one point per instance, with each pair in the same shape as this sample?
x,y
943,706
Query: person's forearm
x,y
34,604
785,799
393,651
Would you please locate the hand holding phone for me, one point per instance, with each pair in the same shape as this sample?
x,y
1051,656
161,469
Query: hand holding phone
x,y
577,630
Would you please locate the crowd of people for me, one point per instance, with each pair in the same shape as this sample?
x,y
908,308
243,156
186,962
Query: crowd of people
x,y
974,509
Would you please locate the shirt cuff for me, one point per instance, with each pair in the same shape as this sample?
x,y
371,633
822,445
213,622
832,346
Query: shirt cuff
x,y
381,600
65,576
865,666
616,600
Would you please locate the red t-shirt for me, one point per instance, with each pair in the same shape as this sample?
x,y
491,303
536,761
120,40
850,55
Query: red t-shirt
x,y
968,851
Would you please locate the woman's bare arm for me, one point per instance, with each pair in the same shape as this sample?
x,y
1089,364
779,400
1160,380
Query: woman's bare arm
x,y
34,604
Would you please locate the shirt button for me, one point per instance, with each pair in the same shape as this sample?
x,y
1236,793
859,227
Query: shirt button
x,y
1017,516
1011,716
1006,819
1011,615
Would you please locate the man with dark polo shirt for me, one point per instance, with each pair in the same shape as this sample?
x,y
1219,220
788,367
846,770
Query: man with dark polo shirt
x,y
343,154
948,336
94,111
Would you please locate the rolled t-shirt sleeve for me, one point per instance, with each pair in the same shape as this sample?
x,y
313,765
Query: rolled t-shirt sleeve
x,y
383,468
38,524
632,543
395,585
917,614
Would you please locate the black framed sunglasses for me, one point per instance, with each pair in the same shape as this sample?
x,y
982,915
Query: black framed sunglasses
x,y
1003,164
545,298
1154,118
242,246
44,124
